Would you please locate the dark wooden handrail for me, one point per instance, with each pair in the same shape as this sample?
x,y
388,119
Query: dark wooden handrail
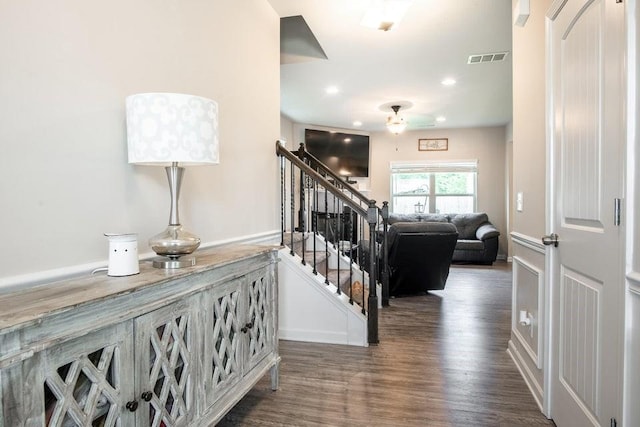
x,y
282,151
334,175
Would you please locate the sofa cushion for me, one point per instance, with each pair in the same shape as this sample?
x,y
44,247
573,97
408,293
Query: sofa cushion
x,y
417,217
469,245
468,223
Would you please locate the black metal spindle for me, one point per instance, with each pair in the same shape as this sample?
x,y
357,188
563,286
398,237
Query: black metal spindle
x,y
361,229
314,226
308,188
283,165
372,303
336,211
326,236
385,254
302,205
302,216
293,207
339,250
349,216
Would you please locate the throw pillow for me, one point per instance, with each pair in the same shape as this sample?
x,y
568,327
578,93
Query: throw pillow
x,y
467,224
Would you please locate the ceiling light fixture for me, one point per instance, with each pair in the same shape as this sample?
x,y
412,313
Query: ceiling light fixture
x,y
396,124
448,82
357,123
441,119
385,14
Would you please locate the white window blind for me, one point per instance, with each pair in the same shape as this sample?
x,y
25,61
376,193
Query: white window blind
x,y
435,166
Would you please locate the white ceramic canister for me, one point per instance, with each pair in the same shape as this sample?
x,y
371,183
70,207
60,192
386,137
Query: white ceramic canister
x,y
123,254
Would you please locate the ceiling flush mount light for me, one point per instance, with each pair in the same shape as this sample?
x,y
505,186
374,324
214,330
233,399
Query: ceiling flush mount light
x,y
441,119
167,129
385,14
448,82
396,124
357,123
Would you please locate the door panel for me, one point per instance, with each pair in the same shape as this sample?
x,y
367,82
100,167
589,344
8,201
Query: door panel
x,y
586,57
579,337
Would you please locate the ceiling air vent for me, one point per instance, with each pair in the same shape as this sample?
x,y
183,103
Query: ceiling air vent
x,y
487,57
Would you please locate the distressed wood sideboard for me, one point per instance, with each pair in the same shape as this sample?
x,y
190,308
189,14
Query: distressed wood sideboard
x,y
161,348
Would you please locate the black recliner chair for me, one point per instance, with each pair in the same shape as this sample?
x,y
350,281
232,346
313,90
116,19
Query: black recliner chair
x,y
419,256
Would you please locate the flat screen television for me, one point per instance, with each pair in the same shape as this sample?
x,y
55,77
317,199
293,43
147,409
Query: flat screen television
x,y
345,154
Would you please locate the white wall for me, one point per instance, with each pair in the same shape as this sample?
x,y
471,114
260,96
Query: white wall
x,y
286,130
529,177
486,144
67,67
529,137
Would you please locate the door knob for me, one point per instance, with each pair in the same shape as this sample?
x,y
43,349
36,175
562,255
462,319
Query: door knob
x,y
550,239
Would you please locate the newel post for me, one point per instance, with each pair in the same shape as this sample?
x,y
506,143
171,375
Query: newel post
x,y
372,303
385,254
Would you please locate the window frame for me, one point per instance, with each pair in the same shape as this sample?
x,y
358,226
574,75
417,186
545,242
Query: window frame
x,y
432,168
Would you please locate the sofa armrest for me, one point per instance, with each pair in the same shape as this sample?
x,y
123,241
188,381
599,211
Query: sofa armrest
x,y
487,231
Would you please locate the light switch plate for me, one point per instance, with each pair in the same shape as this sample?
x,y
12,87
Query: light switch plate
x,y
519,201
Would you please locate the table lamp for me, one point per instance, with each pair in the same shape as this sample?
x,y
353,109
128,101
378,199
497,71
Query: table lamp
x,y
168,129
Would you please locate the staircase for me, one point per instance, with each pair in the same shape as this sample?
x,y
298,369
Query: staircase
x,y
324,294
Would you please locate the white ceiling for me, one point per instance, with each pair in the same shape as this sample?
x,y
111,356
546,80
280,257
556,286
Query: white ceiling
x,y
374,69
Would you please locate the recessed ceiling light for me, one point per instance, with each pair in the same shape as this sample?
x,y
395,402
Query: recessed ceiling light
x,y
385,15
441,119
347,140
332,90
448,82
357,123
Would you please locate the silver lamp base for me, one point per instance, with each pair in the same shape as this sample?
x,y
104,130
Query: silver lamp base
x,y
169,263
172,244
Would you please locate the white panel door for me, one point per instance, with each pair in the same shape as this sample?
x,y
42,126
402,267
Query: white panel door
x,y
587,92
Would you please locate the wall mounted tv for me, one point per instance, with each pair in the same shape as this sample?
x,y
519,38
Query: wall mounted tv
x,y
345,154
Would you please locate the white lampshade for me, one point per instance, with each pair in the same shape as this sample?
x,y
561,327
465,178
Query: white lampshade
x,y
165,128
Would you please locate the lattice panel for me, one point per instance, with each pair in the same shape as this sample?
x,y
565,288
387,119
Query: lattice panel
x,y
225,357
258,313
85,391
169,373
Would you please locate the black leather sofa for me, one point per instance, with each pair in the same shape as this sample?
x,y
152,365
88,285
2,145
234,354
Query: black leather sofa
x,y
419,256
477,237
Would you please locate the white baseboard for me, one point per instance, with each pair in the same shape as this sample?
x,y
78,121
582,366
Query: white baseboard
x,y
327,337
527,375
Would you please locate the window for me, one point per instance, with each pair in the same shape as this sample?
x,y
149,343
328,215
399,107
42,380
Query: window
x,y
434,187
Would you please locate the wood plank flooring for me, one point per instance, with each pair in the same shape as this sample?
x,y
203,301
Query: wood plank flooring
x,y
441,361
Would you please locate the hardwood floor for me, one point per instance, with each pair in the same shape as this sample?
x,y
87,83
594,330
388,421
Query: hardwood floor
x,y
441,361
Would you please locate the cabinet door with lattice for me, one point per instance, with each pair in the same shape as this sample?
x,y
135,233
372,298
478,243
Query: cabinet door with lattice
x,y
165,351
222,338
260,320
86,381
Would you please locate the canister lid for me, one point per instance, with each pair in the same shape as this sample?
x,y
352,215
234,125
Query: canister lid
x,y
122,237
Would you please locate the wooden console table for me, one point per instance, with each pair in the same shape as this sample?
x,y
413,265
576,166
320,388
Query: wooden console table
x,y
161,348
